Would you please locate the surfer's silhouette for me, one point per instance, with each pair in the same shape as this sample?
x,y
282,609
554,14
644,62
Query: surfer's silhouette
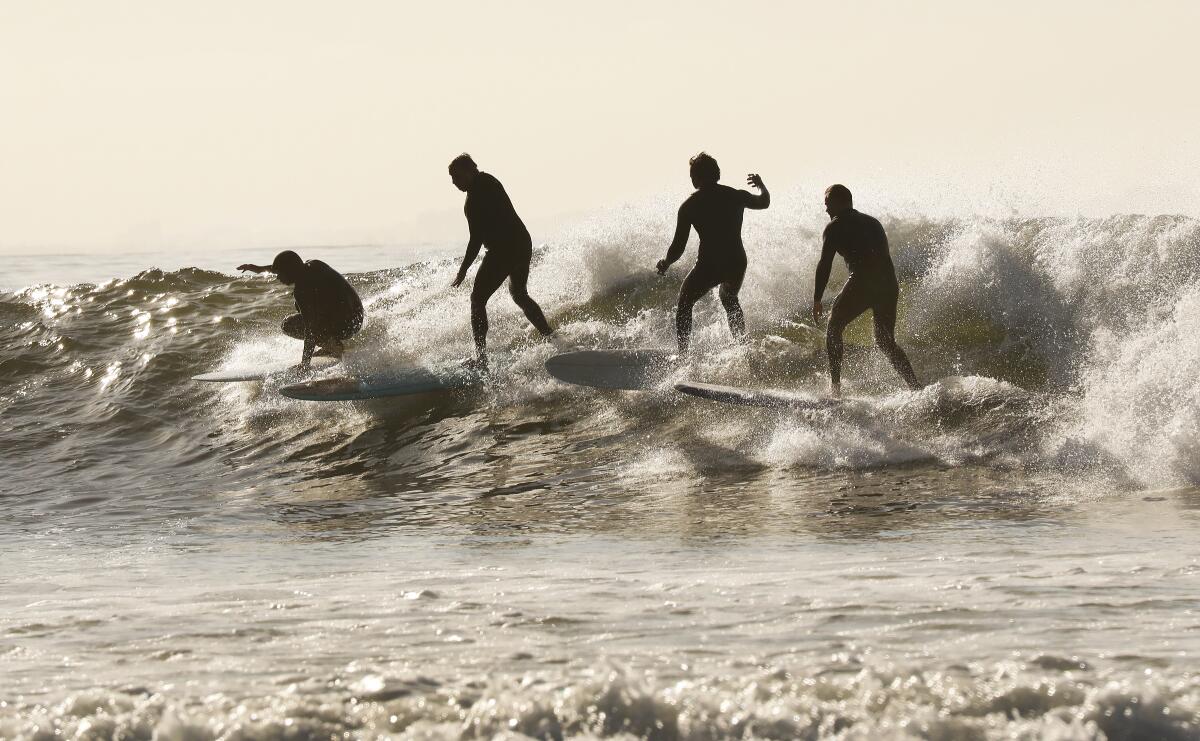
x,y
862,243
715,211
494,224
330,310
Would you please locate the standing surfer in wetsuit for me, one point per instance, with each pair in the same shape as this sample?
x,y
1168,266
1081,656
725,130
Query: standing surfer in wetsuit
x,y
715,211
862,243
494,224
330,310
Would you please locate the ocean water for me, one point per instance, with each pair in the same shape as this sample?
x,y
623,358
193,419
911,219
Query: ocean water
x,y
1012,552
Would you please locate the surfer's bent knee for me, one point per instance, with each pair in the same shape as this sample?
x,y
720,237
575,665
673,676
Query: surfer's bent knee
x,y
294,326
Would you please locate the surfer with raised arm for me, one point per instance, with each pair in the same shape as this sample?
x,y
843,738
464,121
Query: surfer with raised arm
x,y
494,224
862,243
716,212
330,309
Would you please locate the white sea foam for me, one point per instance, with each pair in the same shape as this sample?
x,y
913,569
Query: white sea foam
x,y
1096,315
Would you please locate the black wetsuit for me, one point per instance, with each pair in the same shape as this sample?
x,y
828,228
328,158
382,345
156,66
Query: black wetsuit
x,y
494,223
716,212
330,310
862,243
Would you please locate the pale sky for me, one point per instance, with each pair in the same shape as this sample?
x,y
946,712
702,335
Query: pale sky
x,y
159,124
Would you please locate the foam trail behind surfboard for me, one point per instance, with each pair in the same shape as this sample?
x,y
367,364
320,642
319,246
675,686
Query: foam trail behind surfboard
x,y
318,364
401,382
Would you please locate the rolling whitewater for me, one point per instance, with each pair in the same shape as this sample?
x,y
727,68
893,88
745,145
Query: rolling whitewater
x,y
1011,552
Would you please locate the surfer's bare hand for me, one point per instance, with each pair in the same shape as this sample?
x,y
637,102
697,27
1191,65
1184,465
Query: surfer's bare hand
x,y
458,280
816,311
754,179
251,268
662,266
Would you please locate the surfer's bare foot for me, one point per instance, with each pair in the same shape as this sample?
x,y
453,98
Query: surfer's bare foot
x,y
533,334
476,365
330,351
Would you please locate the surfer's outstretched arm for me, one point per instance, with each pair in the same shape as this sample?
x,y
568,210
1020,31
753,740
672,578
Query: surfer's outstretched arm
x,y
683,227
763,199
256,268
472,252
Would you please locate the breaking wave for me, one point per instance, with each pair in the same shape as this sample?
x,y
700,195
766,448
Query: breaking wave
x,y
1063,344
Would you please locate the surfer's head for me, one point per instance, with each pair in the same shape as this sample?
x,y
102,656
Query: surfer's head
x,y
463,171
838,200
287,266
704,170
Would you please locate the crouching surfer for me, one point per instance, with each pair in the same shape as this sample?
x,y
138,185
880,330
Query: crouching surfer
x,y
330,311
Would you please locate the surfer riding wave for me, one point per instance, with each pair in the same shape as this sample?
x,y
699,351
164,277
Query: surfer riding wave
x,y
862,243
716,212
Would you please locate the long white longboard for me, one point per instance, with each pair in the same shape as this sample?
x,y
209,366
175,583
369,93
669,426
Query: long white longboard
x,y
400,382
260,373
629,370
756,398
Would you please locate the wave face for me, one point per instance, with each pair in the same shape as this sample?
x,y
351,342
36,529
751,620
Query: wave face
x,y
1054,344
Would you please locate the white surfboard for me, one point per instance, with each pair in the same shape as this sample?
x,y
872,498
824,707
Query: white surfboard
x,y
260,373
757,398
630,370
401,382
